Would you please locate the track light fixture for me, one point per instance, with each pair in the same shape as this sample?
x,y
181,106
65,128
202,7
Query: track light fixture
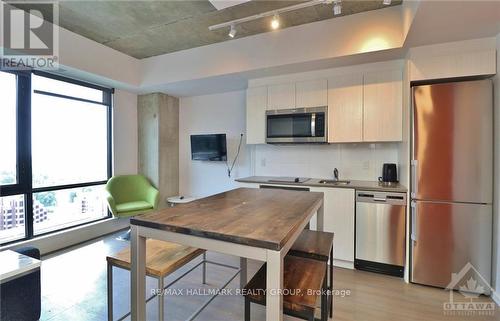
x,y
337,7
232,31
275,23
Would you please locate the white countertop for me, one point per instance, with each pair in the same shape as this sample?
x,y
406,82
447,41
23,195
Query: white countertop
x,y
14,265
354,184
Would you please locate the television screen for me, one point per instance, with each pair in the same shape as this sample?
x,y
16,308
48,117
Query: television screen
x,y
209,147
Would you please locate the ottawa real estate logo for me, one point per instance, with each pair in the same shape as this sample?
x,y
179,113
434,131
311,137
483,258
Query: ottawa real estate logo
x,y
469,294
29,35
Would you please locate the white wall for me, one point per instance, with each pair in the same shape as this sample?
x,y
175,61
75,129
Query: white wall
x,y
124,133
211,114
354,161
496,196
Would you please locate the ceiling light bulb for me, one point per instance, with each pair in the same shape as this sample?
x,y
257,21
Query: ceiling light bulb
x,y
337,8
275,23
386,2
232,32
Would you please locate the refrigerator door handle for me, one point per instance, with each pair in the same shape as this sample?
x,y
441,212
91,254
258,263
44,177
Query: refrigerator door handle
x,y
414,180
413,221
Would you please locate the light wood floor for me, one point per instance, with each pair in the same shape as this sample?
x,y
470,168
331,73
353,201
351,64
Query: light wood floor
x,y
74,288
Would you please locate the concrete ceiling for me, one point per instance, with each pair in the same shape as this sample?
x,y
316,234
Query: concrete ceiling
x,y
144,29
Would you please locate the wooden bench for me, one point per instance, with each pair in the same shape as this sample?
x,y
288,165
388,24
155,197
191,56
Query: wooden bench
x,y
317,245
162,259
304,284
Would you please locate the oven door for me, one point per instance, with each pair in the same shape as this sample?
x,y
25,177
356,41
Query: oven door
x,y
304,125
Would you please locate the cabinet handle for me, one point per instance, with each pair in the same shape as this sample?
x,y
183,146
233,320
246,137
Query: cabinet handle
x,y
414,217
313,125
414,177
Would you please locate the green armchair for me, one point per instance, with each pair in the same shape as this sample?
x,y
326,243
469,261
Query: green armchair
x,y
129,195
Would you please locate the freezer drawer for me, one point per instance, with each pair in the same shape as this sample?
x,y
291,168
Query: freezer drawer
x,y
445,237
380,227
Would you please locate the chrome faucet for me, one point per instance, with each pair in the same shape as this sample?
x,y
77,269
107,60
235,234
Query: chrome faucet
x,y
336,174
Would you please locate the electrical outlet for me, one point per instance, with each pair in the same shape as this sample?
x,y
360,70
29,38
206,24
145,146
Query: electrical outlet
x,y
366,165
263,162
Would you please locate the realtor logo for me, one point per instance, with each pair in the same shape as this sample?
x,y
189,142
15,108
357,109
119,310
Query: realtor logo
x,y
30,36
472,297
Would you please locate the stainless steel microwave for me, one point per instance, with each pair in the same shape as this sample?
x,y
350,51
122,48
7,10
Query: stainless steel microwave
x,y
298,125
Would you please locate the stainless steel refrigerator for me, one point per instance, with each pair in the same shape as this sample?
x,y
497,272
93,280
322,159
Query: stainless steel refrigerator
x,y
452,180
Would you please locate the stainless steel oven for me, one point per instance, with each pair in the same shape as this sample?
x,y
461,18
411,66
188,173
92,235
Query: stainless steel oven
x,y
299,125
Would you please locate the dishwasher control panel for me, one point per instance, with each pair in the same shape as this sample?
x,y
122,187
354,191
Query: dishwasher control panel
x,y
381,197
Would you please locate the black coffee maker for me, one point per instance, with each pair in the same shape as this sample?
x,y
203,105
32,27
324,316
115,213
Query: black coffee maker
x,y
389,173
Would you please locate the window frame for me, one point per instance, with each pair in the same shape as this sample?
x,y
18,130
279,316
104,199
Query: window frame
x,y
24,182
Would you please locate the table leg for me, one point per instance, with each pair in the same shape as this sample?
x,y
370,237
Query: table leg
x,y
243,272
110,292
138,275
274,286
204,267
331,283
320,218
161,299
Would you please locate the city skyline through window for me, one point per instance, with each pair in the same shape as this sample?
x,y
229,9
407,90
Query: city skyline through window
x,y
63,150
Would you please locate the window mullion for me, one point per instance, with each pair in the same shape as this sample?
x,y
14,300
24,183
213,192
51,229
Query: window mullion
x,y
24,148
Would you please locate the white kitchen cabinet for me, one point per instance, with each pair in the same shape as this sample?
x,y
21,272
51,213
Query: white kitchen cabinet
x,y
311,93
281,96
345,108
383,106
256,115
339,204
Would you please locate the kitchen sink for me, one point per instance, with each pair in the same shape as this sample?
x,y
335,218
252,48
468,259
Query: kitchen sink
x,y
334,182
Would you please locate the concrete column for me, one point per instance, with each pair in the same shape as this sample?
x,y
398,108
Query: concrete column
x,y
158,126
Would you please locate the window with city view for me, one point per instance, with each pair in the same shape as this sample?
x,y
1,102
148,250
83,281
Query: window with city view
x,y
59,140
8,136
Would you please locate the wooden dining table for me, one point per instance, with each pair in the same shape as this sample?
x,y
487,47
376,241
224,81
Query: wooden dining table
x,y
259,224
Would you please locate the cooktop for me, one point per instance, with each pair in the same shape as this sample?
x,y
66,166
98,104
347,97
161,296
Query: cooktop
x,y
289,179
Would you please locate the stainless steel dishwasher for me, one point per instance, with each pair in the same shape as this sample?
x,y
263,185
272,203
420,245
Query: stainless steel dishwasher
x,y
380,232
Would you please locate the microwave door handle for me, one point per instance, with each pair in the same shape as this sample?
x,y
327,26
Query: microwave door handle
x,y
313,124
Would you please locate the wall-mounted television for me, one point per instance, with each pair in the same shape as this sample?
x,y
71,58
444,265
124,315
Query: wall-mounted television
x,y
210,147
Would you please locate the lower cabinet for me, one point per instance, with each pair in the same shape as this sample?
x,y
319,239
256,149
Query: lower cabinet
x,y
339,219
339,204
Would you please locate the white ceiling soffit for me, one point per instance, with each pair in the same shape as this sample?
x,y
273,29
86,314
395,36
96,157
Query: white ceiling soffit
x,y
239,81
449,21
223,4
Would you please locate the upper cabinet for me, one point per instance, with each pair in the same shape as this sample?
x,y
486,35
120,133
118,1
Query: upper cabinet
x,y
256,115
363,106
345,108
383,106
281,96
311,93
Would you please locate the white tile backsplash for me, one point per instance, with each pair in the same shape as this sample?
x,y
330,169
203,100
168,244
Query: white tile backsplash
x,y
354,161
